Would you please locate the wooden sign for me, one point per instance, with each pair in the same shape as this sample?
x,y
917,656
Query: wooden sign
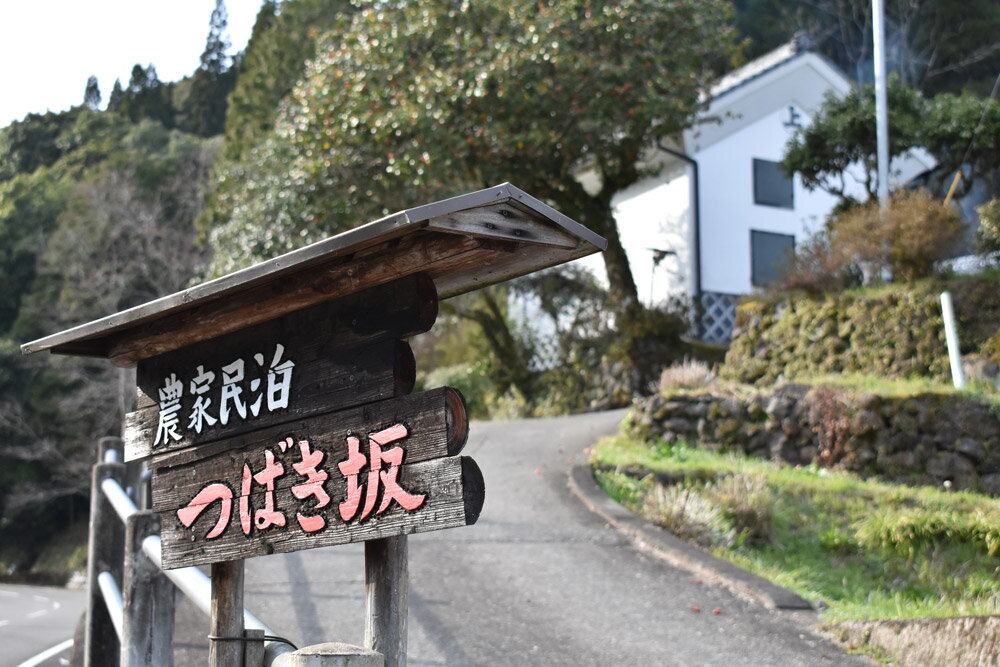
x,y
386,468
326,357
273,406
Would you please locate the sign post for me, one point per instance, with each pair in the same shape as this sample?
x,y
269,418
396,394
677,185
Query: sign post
x,y
275,407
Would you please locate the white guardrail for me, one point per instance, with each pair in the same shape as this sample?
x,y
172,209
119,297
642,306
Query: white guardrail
x,y
189,580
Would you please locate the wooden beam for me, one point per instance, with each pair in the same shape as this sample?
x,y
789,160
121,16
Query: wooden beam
x,y
502,221
225,646
371,267
387,586
322,380
452,488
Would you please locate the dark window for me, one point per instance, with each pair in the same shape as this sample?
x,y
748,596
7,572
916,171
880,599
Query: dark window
x,y
770,185
770,254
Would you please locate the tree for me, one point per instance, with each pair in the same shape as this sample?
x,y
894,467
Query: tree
x,y
934,45
416,100
115,99
139,79
203,111
148,97
840,142
92,94
214,59
283,40
105,223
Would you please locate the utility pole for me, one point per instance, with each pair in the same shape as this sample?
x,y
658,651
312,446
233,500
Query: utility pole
x,y
881,103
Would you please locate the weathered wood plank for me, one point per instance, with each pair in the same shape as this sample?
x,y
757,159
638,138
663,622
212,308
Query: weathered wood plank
x,y
488,268
345,276
99,338
148,626
502,221
451,487
387,587
324,378
397,309
225,648
105,553
435,420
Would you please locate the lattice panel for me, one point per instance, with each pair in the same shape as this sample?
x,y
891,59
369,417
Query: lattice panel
x,y
718,317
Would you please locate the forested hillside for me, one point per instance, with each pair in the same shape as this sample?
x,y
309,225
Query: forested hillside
x,y
97,211
338,110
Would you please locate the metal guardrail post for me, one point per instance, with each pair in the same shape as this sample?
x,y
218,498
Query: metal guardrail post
x,y
110,444
104,554
148,632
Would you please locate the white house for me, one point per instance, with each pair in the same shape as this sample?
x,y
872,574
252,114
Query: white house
x,y
720,218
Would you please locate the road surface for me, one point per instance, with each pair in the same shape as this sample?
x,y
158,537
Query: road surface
x,y
539,580
36,618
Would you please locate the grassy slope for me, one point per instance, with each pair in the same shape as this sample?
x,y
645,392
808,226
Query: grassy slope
x,y
867,549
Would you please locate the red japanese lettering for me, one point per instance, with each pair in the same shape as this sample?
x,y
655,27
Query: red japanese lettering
x,y
313,486
384,481
210,494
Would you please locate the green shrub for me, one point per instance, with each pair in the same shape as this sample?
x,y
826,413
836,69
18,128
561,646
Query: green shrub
x,y
920,530
992,347
989,225
470,379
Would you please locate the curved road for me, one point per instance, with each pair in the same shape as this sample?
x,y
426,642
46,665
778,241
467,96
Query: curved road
x,y
538,580
35,618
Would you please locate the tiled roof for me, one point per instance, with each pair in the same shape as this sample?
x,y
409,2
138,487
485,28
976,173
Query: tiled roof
x,y
790,50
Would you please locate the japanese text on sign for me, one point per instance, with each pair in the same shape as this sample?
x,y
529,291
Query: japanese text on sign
x,y
380,482
268,388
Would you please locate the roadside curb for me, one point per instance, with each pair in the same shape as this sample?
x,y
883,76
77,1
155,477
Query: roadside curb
x,y
680,554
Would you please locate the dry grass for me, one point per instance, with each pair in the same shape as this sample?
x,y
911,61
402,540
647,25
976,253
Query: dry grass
x,y
688,374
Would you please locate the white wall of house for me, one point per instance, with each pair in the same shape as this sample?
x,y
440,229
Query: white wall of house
x,y
757,110
729,211
654,214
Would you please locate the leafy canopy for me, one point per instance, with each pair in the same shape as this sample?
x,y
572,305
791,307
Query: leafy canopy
x,y
412,101
840,142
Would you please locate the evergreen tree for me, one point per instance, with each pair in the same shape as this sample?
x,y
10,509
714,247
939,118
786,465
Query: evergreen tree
x,y
148,97
283,40
137,82
92,94
203,112
214,59
115,100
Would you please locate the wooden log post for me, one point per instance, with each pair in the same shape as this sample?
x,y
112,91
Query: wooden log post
x,y
386,593
148,628
104,554
225,646
253,648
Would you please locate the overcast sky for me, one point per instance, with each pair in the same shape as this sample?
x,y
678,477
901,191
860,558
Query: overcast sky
x,y
48,48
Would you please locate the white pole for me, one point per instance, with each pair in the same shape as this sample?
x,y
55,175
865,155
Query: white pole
x,y
951,337
881,103
113,599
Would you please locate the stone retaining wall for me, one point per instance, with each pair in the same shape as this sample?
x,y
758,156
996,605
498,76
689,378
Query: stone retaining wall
x,y
893,332
927,438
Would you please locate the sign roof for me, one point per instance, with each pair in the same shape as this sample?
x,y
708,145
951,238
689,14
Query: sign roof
x,y
462,243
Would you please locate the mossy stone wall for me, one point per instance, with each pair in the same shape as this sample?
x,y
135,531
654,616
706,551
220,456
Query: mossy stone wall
x,y
928,438
896,332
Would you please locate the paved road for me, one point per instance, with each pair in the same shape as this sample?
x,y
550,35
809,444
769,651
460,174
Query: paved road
x,y
35,618
538,581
